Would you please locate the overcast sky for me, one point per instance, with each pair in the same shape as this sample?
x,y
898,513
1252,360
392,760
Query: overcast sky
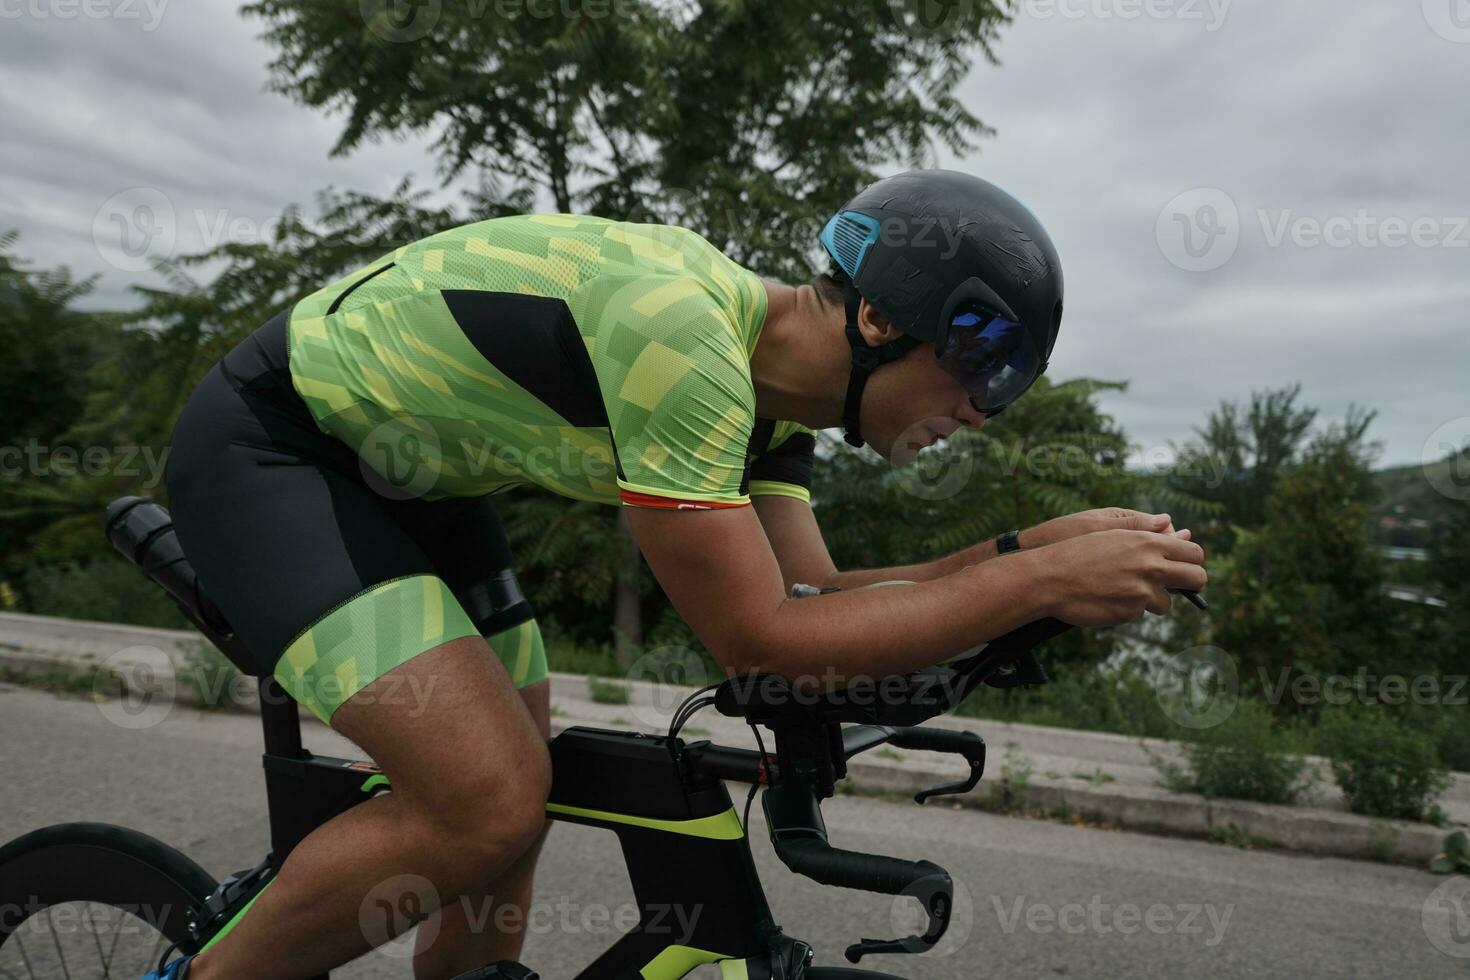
x,y
1243,194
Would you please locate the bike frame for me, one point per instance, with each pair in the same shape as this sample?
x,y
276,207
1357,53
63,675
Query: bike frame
x,y
628,783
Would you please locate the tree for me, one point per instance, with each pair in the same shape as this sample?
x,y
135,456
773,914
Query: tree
x,y
51,348
743,121
1237,458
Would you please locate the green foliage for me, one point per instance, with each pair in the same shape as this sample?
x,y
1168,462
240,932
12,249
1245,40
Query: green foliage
x,y
606,692
1246,757
744,121
210,674
1384,768
107,589
1456,856
1053,452
1123,701
1012,794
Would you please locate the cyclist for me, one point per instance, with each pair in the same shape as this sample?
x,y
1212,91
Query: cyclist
x,y
330,479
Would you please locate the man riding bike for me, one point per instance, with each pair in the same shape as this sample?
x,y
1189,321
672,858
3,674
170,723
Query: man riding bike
x,y
330,477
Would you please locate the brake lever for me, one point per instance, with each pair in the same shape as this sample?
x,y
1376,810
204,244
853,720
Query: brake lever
x,y
966,744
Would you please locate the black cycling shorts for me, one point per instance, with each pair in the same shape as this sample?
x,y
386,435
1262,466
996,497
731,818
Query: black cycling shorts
x,y
330,576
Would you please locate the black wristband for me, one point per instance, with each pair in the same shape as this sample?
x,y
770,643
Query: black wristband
x,y
1008,542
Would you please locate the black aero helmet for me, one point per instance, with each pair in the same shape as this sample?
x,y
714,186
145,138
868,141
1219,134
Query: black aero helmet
x,y
954,261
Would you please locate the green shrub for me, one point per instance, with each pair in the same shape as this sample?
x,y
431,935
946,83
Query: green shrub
x,y
1384,767
210,673
608,692
1122,701
1246,757
1456,856
107,590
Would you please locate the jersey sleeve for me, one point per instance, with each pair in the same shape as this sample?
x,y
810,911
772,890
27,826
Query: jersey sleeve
x,y
675,379
784,467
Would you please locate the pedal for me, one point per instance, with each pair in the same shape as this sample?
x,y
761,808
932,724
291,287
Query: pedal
x,y
504,970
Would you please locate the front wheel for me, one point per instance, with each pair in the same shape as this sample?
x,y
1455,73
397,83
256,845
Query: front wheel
x,y
83,901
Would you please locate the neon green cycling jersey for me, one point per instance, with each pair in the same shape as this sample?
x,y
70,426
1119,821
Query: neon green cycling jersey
x,y
600,360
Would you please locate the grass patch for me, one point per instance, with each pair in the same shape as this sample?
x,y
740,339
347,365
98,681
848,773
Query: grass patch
x,y
1246,757
1384,767
608,692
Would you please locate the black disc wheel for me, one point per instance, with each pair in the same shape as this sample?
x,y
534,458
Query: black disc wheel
x,y
85,901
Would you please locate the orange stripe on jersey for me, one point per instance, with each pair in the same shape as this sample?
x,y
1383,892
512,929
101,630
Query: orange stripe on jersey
x,y
634,499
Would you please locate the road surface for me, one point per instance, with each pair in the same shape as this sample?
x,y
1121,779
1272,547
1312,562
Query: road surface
x,y
1044,899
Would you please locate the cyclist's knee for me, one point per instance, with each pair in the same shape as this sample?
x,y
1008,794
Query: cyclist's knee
x,y
481,824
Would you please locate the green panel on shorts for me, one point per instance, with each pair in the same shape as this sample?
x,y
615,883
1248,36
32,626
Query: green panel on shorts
x,y
522,651
362,639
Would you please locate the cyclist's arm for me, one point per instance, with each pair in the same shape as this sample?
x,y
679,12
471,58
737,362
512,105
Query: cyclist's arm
x,y
802,554
724,578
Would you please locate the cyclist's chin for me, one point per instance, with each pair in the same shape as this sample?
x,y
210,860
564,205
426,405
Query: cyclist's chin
x,y
906,445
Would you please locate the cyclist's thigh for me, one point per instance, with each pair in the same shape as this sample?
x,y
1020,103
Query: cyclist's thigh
x,y
324,587
466,541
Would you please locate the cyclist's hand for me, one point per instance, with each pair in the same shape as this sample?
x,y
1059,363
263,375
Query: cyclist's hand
x,y
1113,577
1092,521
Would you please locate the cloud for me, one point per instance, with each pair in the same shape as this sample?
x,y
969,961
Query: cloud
x,y
1304,112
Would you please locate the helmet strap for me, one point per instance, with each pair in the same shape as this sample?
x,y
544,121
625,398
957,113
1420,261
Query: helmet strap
x,y
865,360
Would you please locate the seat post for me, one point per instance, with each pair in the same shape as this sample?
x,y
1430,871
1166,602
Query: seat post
x,y
280,720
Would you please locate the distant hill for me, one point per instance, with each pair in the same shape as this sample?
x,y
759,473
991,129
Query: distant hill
x,y
1409,505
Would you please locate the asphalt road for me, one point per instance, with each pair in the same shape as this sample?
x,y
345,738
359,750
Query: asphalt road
x,y
1037,899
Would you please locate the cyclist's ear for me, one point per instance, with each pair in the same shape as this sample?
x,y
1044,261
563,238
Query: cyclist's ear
x,y
876,328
